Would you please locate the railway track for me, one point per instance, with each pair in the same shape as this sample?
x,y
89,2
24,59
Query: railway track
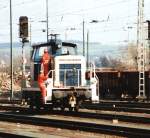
x,y
119,103
133,107
77,125
106,116
124,118
85,114
105,106
126,103
118,107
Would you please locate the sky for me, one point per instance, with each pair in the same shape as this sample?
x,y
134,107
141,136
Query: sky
x,y
117,19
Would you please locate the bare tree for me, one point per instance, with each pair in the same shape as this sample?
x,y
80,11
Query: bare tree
x,y
111,62
132,56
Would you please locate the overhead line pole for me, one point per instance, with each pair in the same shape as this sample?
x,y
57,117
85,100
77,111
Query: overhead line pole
x,y
47,20
11,52
30,34
141,50
87,48
83,38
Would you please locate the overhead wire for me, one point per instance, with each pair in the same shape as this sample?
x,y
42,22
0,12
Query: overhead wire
x,y
60,13
120,1
17,4
88,9
78,11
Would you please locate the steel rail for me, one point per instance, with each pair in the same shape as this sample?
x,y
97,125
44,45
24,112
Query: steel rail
x,y
131,104
123,118
124,104
75,125
106,116
116,108
124,107
101,103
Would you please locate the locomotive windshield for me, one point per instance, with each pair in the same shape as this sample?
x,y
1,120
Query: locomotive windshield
x,y
70,74
69,50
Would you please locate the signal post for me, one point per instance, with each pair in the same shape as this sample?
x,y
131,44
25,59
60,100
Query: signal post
x,y
23,34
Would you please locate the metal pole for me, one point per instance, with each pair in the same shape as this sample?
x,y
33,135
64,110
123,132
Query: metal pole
x,y
47,19
23,65
30,34
83,39
23,59
149,69
141,50
11,54
87,48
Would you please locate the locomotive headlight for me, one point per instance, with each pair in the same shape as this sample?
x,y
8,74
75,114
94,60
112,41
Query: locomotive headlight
x,y
59,46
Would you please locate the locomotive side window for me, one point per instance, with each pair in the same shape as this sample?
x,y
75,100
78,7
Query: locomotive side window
x,y
38,52
41,51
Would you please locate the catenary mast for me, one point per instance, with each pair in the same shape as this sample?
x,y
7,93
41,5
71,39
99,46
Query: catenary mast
x,y
141,49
